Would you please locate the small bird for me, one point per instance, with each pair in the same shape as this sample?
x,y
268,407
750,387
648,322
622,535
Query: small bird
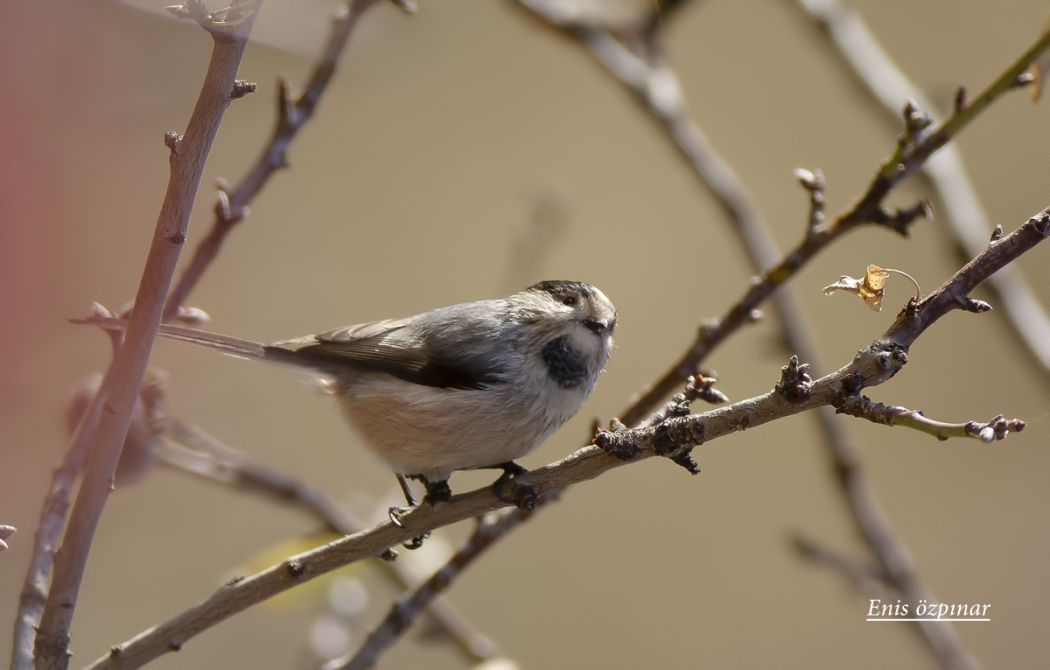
x,y
468,386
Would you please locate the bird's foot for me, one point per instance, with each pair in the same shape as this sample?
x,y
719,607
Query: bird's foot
x,y
437,492
508,489
395,514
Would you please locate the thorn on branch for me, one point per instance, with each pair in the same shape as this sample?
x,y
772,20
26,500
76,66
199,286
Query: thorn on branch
x,y
285,105
960,101
685,459
675,438
407,6
172,140
6,531
968,304
1041,222
900,220
795,383
1024,79
852,383
624,445
892,358
813,182
224,209
699,387
915,121
242,88
996,429
997,233
191,316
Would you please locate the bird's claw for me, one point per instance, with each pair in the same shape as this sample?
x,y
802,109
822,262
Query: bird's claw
x,y
395,513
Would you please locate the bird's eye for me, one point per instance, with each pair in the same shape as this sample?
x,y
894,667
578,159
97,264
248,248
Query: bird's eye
x,y
569,300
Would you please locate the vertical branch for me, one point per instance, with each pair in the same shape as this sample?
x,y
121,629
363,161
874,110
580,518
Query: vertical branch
x,y
52,523
188,156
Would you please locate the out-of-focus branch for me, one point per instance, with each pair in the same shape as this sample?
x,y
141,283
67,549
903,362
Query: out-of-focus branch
x,y
190,450
855,571
52,522
874,68
407,609
893,415
121,387
873,365
292,115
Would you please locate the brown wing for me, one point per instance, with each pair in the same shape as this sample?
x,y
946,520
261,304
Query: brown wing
x,y
384,346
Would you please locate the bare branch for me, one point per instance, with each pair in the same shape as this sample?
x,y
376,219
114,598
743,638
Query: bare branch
x,y
858,573
893,415
196,453
407,609
874,365
874,68
121,387
292,114
866,210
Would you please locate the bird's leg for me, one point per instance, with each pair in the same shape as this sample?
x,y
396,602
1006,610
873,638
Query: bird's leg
x,y
410,498
437,492
508,489
395,512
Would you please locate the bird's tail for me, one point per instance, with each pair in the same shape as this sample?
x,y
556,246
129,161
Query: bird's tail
x,y
233,346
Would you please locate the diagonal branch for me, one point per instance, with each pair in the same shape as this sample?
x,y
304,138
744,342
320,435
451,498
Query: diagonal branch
x,y
194,452
867,209
292,115
656,87
188,156
873,365
870,64
407,609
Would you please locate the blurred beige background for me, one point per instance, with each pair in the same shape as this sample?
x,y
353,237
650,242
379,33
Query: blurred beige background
x,y
414,187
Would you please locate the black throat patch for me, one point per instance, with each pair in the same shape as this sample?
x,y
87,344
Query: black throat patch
x,y
566,366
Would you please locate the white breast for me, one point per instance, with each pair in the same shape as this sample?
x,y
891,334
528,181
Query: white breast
x,y
434,431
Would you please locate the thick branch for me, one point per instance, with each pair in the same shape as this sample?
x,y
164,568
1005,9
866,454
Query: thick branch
x,y
188,156
873,365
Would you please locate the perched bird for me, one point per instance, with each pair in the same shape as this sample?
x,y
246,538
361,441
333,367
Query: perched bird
x,y
468,386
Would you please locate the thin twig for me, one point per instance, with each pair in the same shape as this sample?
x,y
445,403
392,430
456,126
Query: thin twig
x,y
894,415
887,83
868,209
292,115
45,543
192,451
656,87
873,365
857,572
188,155
407,609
